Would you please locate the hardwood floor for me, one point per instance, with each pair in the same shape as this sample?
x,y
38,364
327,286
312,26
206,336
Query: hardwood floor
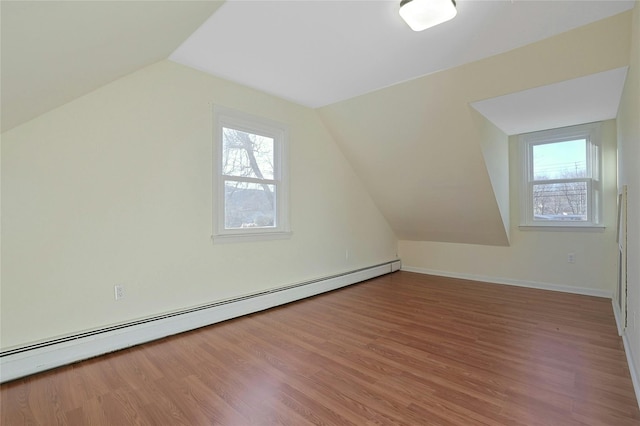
x,y
400,349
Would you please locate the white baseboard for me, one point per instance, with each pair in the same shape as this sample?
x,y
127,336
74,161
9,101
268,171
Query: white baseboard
x,y
635,379
618,315
509,281
632,367
20,362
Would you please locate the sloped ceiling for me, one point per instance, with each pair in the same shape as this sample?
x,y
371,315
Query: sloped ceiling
x,y
317,53
397,102
56,51
419,145
566,103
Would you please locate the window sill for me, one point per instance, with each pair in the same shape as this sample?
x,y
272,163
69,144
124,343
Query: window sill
x,y
250,237
563,228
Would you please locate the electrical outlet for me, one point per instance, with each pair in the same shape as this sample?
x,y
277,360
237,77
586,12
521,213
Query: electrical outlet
x,y
118,292
571,258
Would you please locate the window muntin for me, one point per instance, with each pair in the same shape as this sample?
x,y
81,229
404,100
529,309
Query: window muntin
x,y
251,177
561,182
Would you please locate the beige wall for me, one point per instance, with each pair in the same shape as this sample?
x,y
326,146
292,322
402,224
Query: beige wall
x,y
534,257
437,169
115,188
495,152
629,174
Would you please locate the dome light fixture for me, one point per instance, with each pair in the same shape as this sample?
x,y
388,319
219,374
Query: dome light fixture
x,y
422,14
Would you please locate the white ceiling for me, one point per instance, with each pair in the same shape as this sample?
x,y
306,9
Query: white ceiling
x,y
317,53
311,52
557,105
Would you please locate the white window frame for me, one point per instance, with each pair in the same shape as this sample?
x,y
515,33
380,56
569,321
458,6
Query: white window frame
x,y
230,118
592,134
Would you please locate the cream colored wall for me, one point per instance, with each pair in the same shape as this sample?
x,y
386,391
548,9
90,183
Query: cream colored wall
x,y
534,257
115,188
629,174
495,151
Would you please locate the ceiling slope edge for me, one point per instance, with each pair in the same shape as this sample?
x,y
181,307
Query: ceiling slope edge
x,y
54,52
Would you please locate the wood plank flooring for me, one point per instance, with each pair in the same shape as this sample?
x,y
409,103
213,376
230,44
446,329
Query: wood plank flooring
x,y
403,349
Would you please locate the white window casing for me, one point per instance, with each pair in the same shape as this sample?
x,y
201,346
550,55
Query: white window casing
x,y
250,191
588,180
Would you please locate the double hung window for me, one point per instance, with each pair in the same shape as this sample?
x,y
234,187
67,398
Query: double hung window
x,y
561,180
251,175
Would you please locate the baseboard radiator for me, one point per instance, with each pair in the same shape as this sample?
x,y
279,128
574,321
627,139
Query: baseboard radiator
x,y
23,361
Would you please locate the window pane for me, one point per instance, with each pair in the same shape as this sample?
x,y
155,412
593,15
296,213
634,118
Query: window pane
x,y
249,205
560,160
560,201
246,154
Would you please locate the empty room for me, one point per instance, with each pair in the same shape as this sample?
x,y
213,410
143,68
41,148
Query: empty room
x,y
336,212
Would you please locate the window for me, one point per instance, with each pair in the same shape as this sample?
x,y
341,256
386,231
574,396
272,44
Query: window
x,y
561,184
251,177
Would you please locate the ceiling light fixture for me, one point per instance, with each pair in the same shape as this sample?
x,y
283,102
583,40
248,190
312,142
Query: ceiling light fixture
x,y
422,14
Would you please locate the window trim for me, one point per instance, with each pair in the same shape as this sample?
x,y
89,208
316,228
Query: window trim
x,y
279,132
591,132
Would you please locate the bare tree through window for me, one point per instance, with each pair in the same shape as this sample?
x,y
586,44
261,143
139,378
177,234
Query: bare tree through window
x,y
560,185
251,196
248,167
